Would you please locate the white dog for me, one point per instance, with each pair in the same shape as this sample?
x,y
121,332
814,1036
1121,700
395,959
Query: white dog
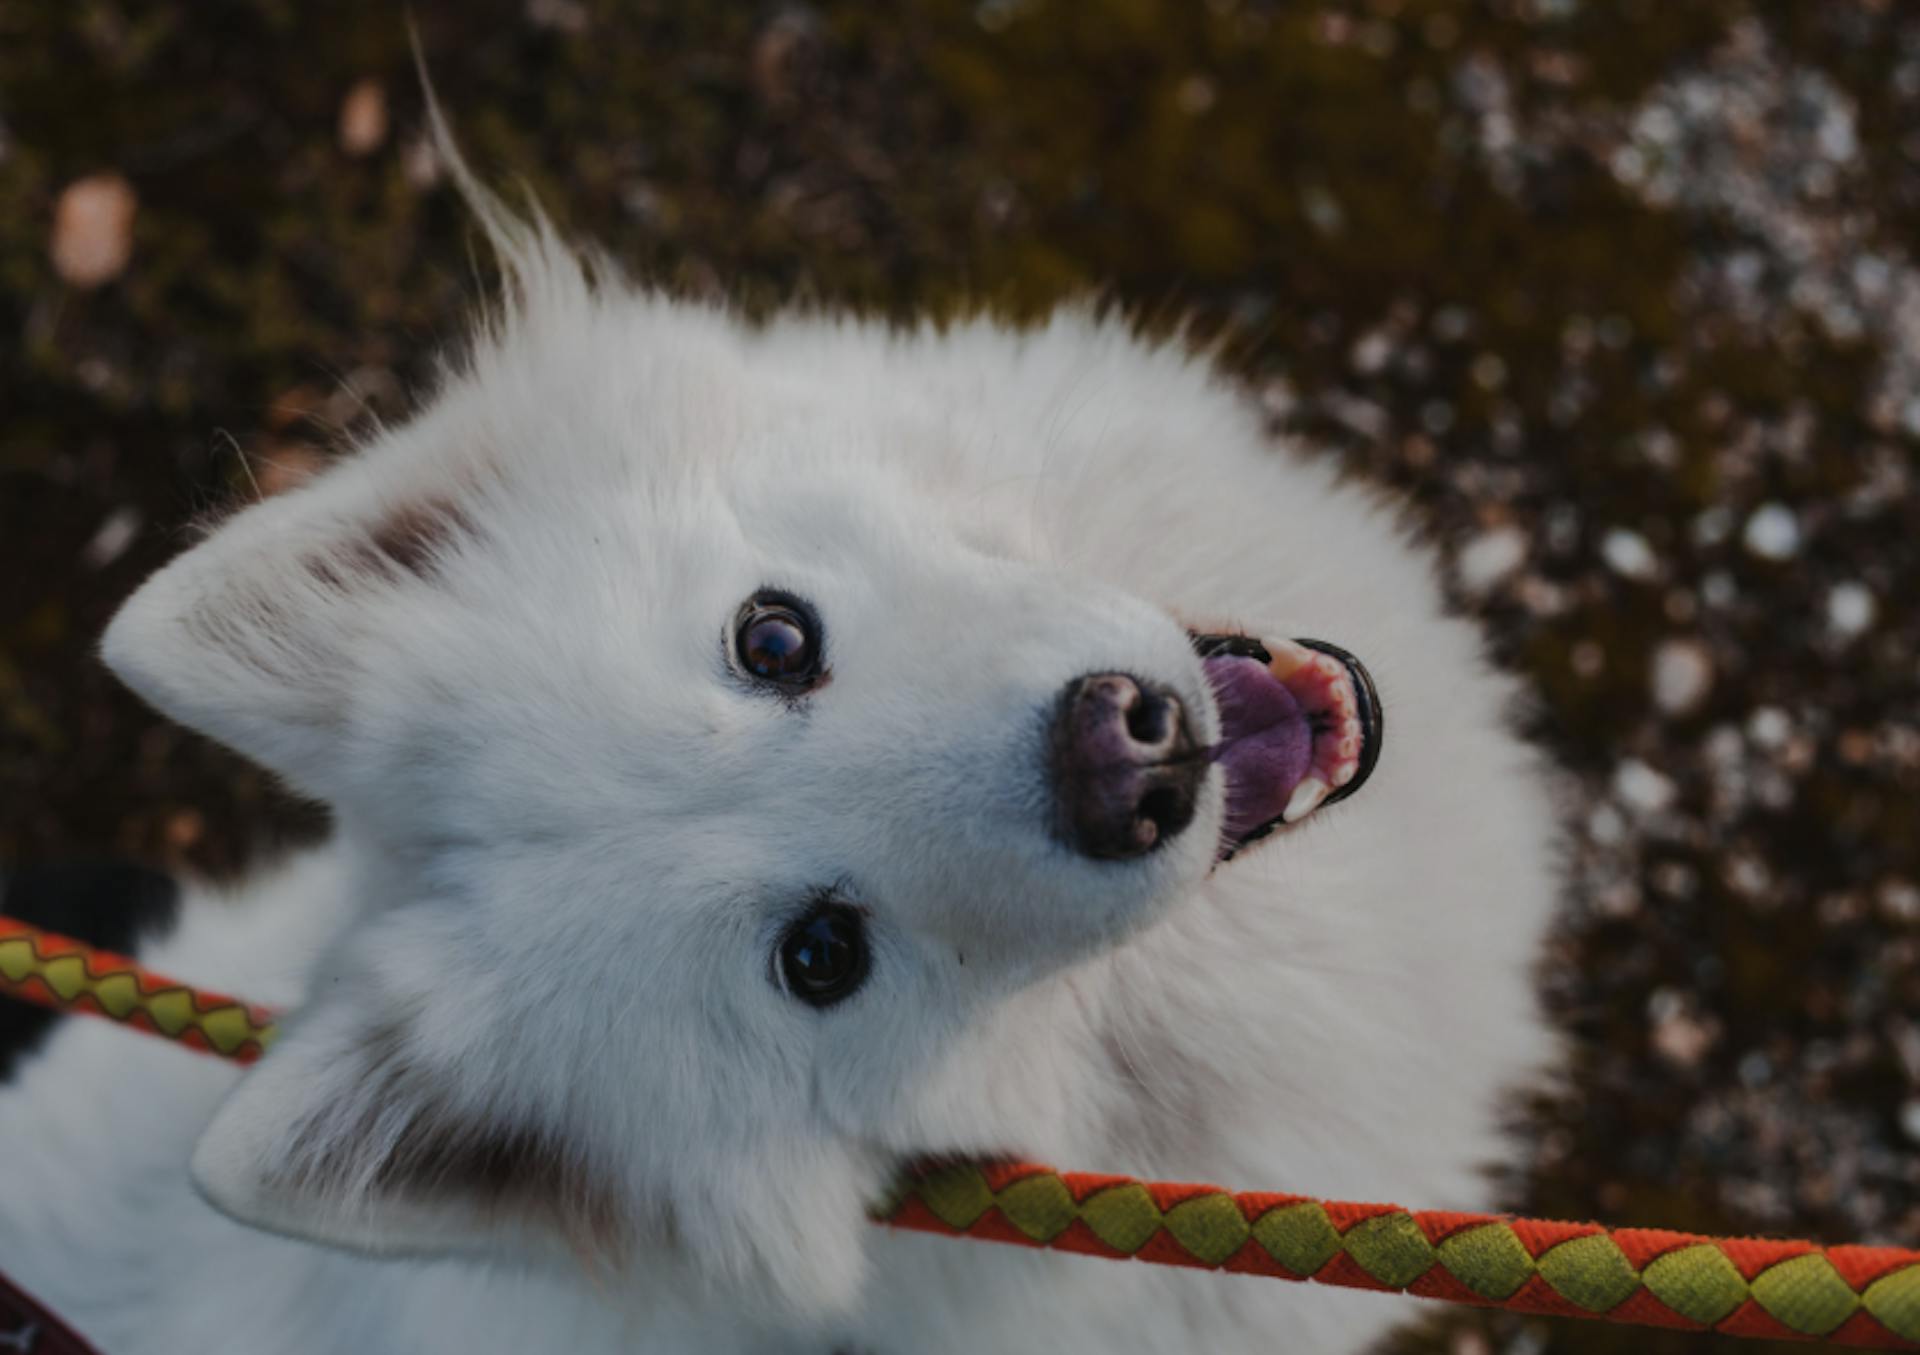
x,y
762,756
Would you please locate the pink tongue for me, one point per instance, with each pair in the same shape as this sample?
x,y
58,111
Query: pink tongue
x,y
1266,744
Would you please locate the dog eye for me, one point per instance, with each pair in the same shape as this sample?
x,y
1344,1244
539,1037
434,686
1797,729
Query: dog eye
x,y
777,641
824,958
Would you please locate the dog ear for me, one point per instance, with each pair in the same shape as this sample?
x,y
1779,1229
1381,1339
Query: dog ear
x,y
253,636
347,1134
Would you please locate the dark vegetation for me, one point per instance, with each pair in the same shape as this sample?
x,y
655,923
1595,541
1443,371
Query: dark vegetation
x,y
1619,295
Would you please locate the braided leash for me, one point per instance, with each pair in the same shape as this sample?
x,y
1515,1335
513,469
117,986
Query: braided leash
x,y
71,976
1854,1296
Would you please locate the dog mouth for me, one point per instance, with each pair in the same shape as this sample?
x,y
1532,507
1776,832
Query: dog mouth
x,y
1300,729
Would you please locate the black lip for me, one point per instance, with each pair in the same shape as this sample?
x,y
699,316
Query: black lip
x,y
1373,719
1239,646
1373,716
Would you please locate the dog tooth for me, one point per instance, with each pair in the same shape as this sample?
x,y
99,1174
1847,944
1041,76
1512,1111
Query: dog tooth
x,y
1288,657
1306,798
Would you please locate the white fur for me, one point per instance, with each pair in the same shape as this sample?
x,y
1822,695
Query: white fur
x,y
568,838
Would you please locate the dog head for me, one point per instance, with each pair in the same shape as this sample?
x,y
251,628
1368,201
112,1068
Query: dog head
x,y
710,761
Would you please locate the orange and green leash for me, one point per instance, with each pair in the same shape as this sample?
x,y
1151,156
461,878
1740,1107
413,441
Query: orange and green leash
x,y
71,976
1853,1296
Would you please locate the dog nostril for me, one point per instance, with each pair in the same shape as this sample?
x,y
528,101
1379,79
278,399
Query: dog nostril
x,y
1150,719
1163,812
1124,768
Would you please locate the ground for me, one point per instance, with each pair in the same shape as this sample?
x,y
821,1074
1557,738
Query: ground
x,y
1618,294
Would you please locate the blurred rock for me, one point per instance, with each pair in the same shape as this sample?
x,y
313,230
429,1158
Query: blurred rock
x,y
1641,788
1851,609
1681,676
1769,727
1628,555
1773,532
1489,558
1678,1034
363,118
93,230
111,541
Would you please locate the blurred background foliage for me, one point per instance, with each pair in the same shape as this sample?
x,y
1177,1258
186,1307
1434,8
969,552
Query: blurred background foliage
x,y
1619,295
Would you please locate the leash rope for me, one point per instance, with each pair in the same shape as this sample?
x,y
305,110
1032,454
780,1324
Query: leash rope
x,y
1854,1296
71,976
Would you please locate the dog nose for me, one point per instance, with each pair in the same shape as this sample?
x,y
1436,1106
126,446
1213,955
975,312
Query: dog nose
x,y
1125,770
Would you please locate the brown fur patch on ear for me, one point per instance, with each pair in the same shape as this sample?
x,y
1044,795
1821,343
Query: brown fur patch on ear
x,y
509,1173
412,536
408,540
402,1136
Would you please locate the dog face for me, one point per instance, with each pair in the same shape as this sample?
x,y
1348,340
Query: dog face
x,y
714,767
700,757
